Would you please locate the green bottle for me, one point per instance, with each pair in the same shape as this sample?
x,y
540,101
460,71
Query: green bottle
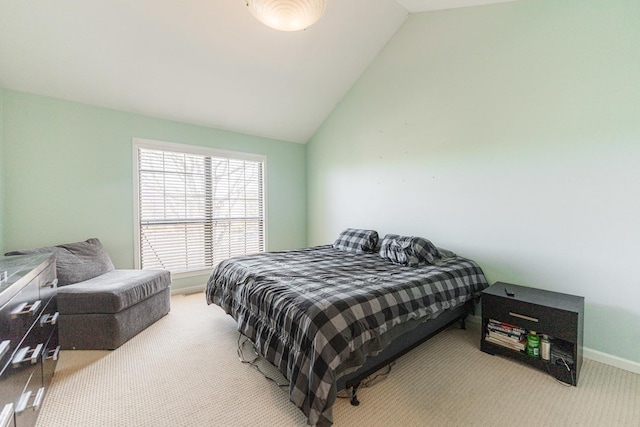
x,y
533,344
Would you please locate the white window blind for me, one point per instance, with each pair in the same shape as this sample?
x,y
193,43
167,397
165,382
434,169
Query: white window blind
x,y
197,210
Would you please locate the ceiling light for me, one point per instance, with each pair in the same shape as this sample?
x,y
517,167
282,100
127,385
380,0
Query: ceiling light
x,y
287,15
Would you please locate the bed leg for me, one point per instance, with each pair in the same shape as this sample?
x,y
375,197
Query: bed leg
x,y
354,396
470,309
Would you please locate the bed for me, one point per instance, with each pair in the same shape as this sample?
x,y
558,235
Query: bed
x,y
328,316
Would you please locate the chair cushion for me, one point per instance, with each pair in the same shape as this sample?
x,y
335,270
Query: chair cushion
x,y
112,292
76,262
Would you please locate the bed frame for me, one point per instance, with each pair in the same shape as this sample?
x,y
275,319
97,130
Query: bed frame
x,y
403,344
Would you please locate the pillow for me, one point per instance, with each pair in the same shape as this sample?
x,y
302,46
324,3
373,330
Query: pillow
x,y
409,251
424,250
76,262
356,240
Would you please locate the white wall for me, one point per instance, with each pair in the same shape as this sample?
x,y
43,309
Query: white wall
x,y
510,134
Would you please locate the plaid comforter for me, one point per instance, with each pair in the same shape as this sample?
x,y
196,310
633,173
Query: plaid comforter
x,y
307,310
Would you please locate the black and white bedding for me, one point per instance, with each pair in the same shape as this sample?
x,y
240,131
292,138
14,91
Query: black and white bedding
x,y
308,311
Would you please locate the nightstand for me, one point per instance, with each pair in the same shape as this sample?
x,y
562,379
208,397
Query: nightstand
x,y
560,316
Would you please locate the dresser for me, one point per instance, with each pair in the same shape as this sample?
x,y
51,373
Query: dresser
x,y
28,335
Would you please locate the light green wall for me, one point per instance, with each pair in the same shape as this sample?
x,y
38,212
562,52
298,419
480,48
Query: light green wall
x,y
69,174
509,133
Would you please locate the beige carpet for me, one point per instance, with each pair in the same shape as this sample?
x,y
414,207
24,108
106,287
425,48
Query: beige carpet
x,y
184,371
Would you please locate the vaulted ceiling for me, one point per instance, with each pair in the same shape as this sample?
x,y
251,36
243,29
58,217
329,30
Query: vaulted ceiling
x,y
203,62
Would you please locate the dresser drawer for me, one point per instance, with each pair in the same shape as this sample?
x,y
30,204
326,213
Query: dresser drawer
x,y
30,401
18,316
539,318
21,379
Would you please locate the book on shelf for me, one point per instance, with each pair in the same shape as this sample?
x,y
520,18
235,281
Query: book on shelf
x,y
506,335
514,345
506,327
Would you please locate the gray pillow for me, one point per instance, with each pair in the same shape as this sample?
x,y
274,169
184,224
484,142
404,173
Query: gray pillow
x,y
408,250
357,240
76,262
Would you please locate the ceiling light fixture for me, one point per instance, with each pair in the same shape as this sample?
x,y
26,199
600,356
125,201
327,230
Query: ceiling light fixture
x,y
287,15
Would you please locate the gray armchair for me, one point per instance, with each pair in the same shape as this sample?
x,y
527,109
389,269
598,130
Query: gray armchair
x,y
101,307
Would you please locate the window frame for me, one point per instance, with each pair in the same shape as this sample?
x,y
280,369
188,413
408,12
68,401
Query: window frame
x,y
188,149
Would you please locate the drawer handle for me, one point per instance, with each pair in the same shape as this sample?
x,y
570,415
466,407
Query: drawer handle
x,y
25,353
6,416
51,284
4,348
49,319
23,402
53,354
20,356
26,309
38,400
522,316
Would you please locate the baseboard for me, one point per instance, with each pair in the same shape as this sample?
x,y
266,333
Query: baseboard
x,y
609,359
187,290
598,356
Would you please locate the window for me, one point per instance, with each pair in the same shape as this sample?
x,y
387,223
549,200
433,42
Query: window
x,y
196,206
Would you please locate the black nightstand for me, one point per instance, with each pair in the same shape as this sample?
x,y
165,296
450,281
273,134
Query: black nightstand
x,y
560,316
